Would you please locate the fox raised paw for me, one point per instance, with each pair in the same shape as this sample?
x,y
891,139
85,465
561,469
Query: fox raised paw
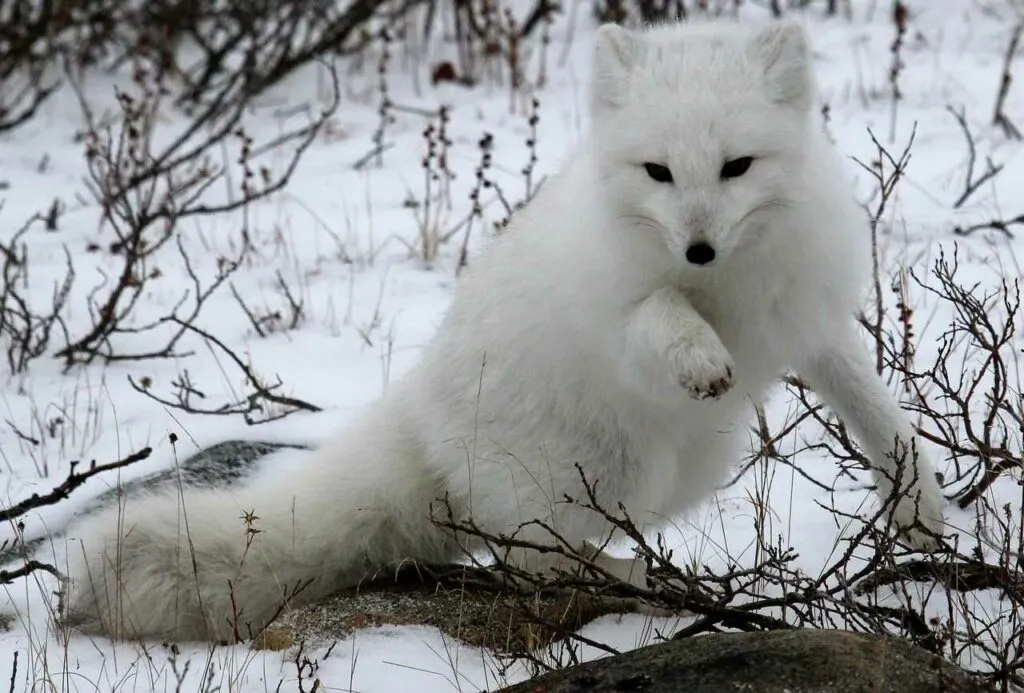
x,y
705,369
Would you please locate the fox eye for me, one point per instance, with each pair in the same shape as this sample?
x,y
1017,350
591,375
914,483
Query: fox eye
x,y
658,172
736,167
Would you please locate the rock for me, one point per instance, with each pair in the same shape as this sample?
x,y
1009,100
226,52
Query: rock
x,y
462,602
790,661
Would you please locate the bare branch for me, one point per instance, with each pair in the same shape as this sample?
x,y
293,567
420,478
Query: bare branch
x,y
971,184
999,117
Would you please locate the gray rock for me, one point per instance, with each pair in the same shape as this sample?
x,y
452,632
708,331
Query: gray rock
x,y
467,603
794,661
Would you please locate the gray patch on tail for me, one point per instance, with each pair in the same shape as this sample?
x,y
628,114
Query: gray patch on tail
x,y
218,466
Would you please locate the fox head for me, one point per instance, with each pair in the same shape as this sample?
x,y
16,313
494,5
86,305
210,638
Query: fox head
x,y
700,131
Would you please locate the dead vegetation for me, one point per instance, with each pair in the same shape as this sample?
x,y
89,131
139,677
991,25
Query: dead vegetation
x,y
963,386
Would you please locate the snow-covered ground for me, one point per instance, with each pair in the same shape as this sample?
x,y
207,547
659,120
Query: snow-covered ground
x,y
346,240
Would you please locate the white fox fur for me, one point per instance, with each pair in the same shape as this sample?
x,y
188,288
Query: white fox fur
x,y
581,335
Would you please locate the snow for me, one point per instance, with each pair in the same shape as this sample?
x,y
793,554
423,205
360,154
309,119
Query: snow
x,y
340,239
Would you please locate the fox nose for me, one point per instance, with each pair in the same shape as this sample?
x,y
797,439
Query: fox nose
x,y
700,253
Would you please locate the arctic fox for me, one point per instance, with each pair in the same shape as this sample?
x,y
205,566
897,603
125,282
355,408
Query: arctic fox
x,y
701,241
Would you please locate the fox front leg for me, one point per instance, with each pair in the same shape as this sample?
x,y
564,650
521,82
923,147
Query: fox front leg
x,y
844,378
667,338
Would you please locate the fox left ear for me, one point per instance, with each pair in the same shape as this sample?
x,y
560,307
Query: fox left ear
x,y
616,52
782,48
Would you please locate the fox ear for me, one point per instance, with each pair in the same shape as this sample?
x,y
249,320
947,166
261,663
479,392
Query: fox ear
x,y
781,47
616,51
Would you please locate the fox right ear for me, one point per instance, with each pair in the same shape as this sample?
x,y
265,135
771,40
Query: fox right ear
x,y
782,48
616,51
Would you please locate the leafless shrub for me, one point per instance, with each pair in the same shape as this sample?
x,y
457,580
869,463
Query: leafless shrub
x,y
270,321
1003,226
490,40
384,107
24,61
237,50
975,375
886,171
640,12
999,117
261,405
873,584
643,11
900,15
25,332
74,480
62,491
968,395
144,193
972,180
533,120
272,39
481,183
433,208
769,595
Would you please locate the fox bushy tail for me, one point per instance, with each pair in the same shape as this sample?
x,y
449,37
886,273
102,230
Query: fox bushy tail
x,y
218,564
